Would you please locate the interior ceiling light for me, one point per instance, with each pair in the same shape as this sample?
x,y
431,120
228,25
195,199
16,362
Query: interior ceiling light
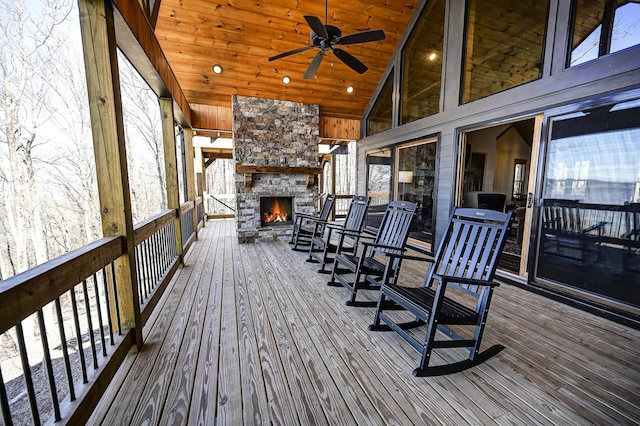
x,y
432,57
350,89
217,69
286,79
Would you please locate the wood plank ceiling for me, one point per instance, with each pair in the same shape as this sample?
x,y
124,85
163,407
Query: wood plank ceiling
x,y
240,36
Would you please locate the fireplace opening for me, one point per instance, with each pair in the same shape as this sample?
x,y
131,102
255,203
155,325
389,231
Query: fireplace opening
x,y
276,211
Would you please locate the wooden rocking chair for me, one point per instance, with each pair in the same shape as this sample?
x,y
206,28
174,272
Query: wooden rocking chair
x,y
321,245
304,226
463,267
371,263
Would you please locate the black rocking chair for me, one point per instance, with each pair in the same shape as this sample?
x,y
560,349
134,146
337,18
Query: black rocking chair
x,y
321,245
305,227
371,263
463,267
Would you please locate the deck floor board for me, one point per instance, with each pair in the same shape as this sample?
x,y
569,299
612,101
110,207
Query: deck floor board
x,y
251,334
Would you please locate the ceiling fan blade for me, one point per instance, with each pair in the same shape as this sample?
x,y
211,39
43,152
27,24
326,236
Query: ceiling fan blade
x,y
291,52
314,65
362,37
316,25
351,61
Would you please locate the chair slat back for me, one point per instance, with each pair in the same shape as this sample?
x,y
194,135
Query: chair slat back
x,y
357,213
395,225
472,245
562,215
326,207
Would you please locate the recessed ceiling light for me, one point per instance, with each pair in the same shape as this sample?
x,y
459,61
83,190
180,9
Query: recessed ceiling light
x,y
432,57
350,89
286,79
217,69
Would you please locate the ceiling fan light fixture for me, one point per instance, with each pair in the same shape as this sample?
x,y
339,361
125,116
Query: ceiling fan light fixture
x,y
217,69
286,79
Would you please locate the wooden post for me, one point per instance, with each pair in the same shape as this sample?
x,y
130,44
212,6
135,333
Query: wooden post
x,y
189,156
105,107
171,166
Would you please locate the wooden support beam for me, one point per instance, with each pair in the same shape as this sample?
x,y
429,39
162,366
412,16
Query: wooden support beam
x,y
278,169
105,108
171,165
189,165
248,171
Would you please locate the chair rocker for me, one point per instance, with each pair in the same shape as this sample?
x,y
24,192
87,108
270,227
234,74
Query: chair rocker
x,y
463,267
304,227
322,246
369,261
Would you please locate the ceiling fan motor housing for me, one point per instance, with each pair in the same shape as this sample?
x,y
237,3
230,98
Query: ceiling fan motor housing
x,y
333,32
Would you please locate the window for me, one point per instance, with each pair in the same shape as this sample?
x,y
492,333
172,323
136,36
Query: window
x,y
504,46
422,65
381,117
519,179
379,184
417,182
601,27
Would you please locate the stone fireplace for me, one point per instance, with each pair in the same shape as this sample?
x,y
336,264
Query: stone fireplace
x,y
276,155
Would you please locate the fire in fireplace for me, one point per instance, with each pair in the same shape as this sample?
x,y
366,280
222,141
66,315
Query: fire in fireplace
x,y
276,211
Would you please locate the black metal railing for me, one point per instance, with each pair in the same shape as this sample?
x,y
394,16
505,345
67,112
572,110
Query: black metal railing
x,y
63,317
64,320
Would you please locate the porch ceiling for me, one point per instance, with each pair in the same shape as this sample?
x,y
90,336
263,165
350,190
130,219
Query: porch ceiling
x,y
240,36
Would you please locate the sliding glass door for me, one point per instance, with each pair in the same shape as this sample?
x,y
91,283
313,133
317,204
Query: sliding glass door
x,y
589,222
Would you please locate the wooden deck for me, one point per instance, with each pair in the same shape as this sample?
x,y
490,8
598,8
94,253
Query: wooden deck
x,y
250,334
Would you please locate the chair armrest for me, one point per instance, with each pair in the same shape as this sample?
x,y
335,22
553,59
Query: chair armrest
x,y
350,233
632,233
306,216
333,225
469,281
598,226
382,246
410,257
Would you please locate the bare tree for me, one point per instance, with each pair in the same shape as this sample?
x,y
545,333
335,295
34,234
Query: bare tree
x,y
73,170
28,46
143,127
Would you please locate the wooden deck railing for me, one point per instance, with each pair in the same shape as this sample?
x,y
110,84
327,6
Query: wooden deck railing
x,y
186,223
200,212
64,321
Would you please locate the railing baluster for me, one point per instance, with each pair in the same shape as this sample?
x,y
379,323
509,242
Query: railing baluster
x,y
139,266
4,403
26,371
76,323
48,365
92,338
65,350
99,312
156,257
115,299
108,304
149,263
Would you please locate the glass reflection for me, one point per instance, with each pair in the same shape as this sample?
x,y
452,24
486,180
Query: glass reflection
x,y
590,221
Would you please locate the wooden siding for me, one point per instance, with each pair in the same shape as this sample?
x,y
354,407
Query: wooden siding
x,y
211,117
250,334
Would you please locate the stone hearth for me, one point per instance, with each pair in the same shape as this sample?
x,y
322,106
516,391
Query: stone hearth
x,y
278,142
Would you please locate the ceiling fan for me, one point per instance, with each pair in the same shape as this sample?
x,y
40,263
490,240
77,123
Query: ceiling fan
x,y
327,37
